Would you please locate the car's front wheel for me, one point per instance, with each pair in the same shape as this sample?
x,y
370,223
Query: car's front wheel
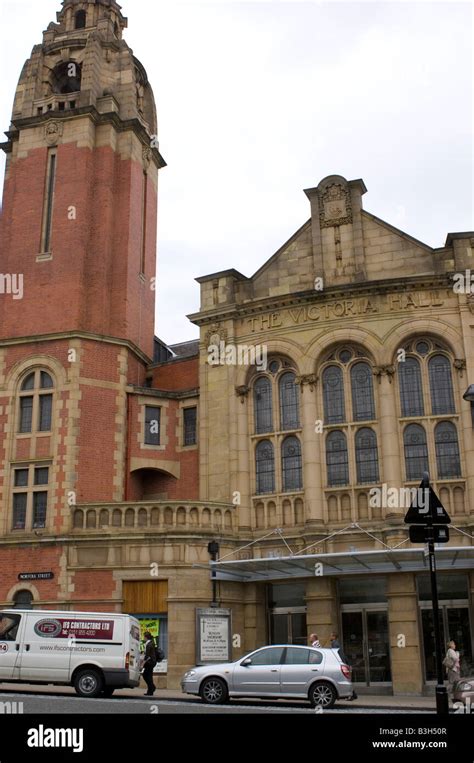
x,y
214,691
322,694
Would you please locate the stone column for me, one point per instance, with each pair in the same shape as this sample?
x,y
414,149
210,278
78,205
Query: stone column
x,y
405,641
390,462
321,607
243,480
254,617
311,451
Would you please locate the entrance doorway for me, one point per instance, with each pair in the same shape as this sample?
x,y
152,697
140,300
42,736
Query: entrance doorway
x,y
454,624
287,613
366,644
288,625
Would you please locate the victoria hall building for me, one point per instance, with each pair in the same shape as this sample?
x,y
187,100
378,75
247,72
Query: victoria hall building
x,y
145,478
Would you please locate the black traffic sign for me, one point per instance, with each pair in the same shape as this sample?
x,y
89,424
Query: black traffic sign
x,y
427,508
420,534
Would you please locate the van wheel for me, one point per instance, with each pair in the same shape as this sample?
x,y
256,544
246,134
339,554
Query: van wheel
x,y
214,691
322,694
88,683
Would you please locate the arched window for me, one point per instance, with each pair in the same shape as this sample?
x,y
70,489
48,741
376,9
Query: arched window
x,y
367,460
265,467
333,394
80,20
363,405
416,451
263,405
447,451
337,459
289,402
23,600
67,77
291,465
441,385
36,403
411,387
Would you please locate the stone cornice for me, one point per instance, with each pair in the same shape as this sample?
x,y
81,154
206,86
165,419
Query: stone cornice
x,y
68,335
121,125
387,286
163,393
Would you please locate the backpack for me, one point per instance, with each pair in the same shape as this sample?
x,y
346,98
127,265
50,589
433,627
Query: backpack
x,y
160,655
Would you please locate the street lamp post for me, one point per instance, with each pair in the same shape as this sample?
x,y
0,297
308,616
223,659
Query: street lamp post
x,y
213,551
428,516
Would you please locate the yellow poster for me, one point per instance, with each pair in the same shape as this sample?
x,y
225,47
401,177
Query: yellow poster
x,y
150,625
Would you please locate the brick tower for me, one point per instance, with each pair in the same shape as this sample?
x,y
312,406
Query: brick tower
x,y
80,199
78,227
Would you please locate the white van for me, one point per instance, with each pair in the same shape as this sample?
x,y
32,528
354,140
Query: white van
x,y
92,651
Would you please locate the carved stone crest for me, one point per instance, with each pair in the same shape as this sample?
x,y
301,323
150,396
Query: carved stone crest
x,y
52,132
215,334
460,365
335,206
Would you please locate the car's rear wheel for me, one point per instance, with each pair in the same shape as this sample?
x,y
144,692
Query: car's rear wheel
x,y
322,694
88,683
214,691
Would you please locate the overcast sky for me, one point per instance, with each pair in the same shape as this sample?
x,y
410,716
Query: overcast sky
x,y
259,100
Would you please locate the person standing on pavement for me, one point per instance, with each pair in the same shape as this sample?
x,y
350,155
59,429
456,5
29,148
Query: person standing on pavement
x,y
452,663
334,641
149,664
314,641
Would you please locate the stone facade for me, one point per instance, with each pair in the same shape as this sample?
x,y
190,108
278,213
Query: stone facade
x,y
128,523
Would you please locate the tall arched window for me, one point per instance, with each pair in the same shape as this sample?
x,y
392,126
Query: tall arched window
x,y
447,451
411,388
363,405
289,402
416,451
80,20
263,405
291,465
265,467
367,460
333,395
441,385
337,460
36,403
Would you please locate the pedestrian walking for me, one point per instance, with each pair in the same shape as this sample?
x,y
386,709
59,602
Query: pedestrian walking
x,y
452,663
314,640
334,639
149,664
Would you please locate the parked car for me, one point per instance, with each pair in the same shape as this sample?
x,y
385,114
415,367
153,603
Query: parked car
x,y
464,691
92,651
275,672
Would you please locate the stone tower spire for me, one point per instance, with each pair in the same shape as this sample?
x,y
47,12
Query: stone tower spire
x,y
80,194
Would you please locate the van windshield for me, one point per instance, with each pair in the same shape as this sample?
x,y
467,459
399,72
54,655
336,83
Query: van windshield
x,y
9,626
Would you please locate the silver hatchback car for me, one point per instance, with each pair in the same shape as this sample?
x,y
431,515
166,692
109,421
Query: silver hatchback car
x,y
275,672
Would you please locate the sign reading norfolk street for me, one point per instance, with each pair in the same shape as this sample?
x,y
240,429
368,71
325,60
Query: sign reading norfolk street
x,y
36,576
